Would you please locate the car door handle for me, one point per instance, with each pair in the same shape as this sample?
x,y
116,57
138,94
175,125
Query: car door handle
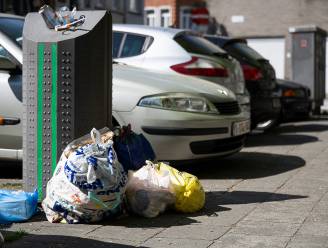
x,y
8,121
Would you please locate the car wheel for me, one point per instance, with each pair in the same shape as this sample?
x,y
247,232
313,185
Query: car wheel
x,y
267,125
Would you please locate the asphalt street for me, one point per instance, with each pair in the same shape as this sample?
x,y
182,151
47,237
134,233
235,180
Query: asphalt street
x,y
274,193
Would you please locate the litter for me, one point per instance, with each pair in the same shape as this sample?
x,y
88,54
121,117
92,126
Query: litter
x,y
17,206
189,193
132,149
148,191
156,187
62,20
88,182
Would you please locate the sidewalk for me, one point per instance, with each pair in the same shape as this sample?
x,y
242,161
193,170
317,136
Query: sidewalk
x,y
272,194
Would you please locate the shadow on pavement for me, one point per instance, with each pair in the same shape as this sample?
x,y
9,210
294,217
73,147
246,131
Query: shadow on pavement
x,y
274,139
11,170
292,128
51,241
245,165
247,197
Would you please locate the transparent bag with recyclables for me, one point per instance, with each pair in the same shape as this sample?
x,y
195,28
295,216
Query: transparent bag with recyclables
x,y
148,191
88,183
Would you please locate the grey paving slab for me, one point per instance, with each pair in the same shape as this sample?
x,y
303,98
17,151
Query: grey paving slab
x,y
314,229
228,216
181,243
292,216
308,241
261,228
194,231
124,233
232,240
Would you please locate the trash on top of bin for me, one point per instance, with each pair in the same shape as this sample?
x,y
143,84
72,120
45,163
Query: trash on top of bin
x,y
62,19
17,206
88,182
132,149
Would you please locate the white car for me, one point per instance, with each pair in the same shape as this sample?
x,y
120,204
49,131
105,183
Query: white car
x,y
178,51
182,121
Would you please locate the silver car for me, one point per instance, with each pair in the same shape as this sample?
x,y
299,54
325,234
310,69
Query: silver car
x,y
178,51
182,121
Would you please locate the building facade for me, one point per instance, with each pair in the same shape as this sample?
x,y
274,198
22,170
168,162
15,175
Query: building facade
x,y
177,13
266,23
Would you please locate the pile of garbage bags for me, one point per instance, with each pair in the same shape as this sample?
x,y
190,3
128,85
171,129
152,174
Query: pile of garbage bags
x,y
90,183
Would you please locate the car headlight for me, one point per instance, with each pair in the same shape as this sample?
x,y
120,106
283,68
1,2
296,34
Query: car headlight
x,y
179,102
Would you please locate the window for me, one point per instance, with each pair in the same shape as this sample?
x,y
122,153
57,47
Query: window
x,y
117,40
150,18
185,17
13,28
135,6
133,45
165,18
197,44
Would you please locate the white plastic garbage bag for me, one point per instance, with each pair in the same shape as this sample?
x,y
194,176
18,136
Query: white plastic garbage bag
x,y
88,183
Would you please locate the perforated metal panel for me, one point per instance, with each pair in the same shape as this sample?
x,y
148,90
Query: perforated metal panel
x,y
67,90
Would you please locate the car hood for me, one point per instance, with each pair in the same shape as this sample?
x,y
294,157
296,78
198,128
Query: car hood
x,y
289,84
130,84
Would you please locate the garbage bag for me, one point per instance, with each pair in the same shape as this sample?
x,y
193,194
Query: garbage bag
x,y
148,191
132,149
189,193
88,182
17,206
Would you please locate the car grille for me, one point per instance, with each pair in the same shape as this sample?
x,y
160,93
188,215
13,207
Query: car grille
x,y
228,108
217,146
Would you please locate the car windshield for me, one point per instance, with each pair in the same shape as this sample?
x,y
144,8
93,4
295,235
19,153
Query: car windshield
x,y
240,49
13,28
197,44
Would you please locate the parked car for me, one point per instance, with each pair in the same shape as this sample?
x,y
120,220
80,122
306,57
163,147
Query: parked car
x,y
182,121
260,80
178,51
295,100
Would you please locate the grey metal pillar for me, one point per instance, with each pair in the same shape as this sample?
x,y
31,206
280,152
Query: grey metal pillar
x,y
67,90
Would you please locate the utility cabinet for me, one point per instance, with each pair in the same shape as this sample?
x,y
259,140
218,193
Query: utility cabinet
x,y
308,60
67,89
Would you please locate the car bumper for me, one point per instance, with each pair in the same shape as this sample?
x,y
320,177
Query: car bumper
x,y
295,107
265,108
185,136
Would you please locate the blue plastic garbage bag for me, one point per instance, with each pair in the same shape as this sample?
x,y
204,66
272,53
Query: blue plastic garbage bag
x,y
17,206
132,149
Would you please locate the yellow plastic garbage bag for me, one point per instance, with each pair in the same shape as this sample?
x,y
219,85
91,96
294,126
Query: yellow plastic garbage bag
x,y
190,195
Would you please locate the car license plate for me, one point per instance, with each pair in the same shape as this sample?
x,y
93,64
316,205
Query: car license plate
x,y
242,127
276,103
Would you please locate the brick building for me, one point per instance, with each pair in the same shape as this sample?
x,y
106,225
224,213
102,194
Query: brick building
x,y
165,13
